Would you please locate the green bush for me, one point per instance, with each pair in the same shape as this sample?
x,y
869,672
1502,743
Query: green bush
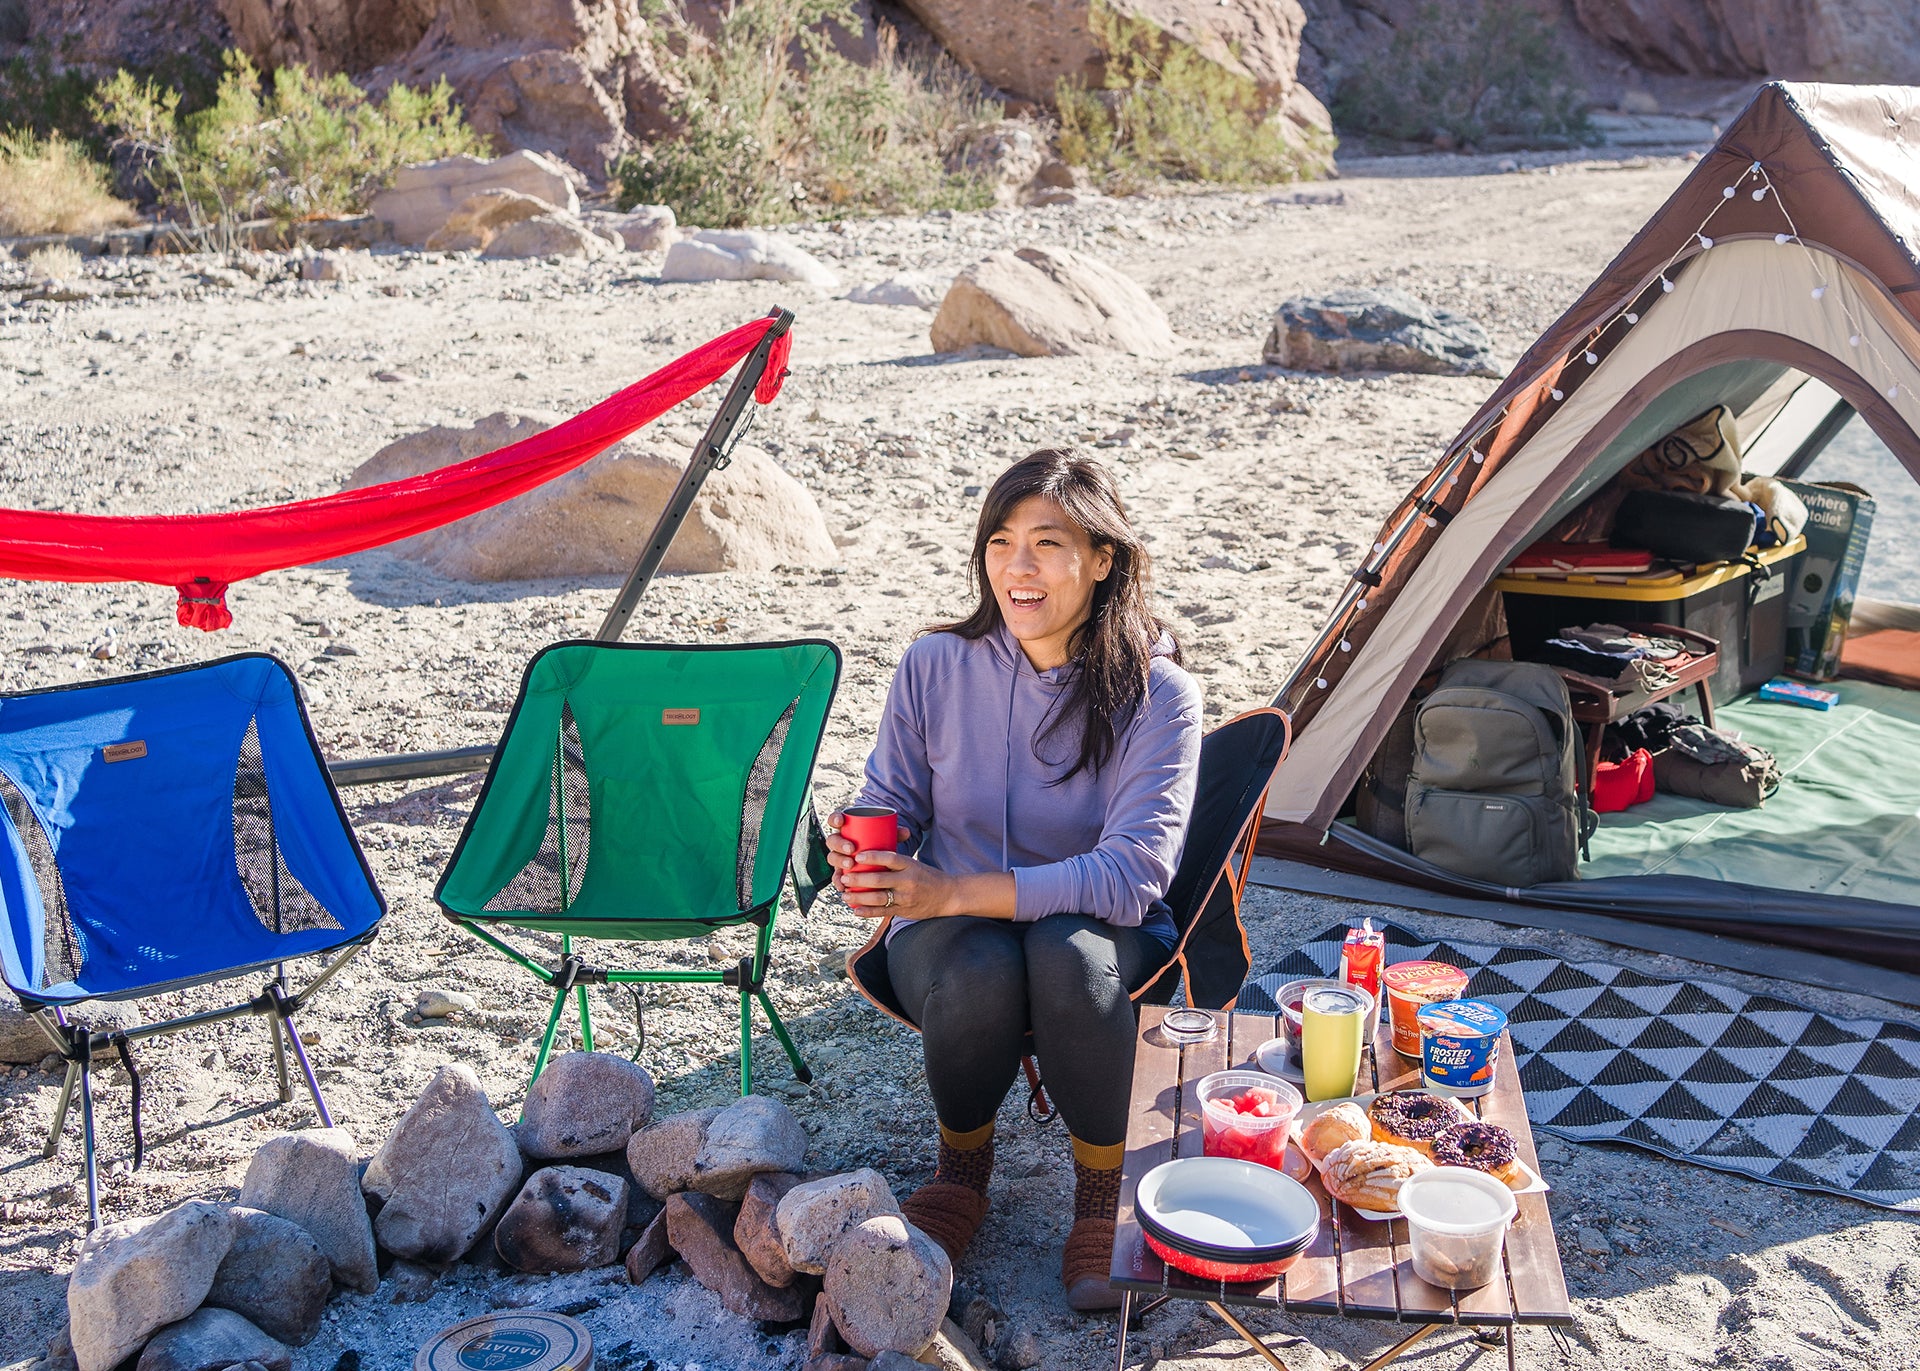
x,y
775,124
1474,71
1163,111
51,185
299,147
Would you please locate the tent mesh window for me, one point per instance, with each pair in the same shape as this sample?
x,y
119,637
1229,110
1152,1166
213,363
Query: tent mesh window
x,y
60,958
536,887
753,805
279,901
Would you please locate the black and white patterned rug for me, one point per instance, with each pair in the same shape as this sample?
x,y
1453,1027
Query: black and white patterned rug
x,y
1705,1073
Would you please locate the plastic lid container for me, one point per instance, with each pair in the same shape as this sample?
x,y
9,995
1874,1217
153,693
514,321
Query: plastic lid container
x,y
1457,1219
1230,1130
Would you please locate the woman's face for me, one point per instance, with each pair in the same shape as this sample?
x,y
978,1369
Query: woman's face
x,y
1042,568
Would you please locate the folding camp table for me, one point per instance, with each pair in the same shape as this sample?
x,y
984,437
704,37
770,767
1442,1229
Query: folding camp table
x,y
1356,1267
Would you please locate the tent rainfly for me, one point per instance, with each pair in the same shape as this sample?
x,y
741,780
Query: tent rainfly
x,y
1782,279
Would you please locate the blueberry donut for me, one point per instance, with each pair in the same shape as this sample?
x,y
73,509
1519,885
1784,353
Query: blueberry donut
x,y
1482,1146
1412,1118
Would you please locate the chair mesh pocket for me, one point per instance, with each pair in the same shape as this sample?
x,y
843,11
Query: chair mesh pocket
x,y
535,888
280,902
60,947
753,806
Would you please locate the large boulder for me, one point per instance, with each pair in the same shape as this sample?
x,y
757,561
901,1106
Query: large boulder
x,y
1826,40
1027,47
135,1277
313,1179
751,1135
566,1218
1377,330
482,215
662,1155
444,1173
426,195
815,1215
275,1275
548,235
700,1227
888,1285
213,1340
326,35
584,1103
593,521
644,228
1050,302
744,255
551,100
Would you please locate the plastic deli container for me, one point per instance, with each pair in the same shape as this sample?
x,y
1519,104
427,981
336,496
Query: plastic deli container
x,y
1460,1046
1290,997
1409,985
1247,1115
1457,1219
1225,1220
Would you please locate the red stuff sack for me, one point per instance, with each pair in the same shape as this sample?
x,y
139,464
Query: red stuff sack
x,y
1621,785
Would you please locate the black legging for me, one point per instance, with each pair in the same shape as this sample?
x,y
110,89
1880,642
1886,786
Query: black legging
x,y
975,987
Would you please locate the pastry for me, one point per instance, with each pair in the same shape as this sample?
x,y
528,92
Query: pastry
x,y
1483,1146
1413,1118
1367,1174
1330,1128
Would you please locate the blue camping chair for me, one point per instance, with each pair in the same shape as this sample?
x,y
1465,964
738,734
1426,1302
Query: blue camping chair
x,y
163,831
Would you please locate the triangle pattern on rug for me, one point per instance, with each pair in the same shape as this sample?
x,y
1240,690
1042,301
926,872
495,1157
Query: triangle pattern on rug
x,y
1696,1070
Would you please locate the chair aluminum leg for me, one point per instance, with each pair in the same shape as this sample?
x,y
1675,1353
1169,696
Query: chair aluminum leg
x,y
546,1042
586,1022
60,1110
306,1070
746,1042
86,1141
800,1070
280,1058
1120,1333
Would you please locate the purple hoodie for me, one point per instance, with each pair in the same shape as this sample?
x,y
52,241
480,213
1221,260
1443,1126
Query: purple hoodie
x,y
955,756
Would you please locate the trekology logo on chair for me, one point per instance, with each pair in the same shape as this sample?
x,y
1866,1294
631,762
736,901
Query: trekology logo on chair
x,y
124,752
533,1341
679,716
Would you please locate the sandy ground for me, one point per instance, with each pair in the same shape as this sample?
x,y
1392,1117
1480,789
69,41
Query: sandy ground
x,y
1258,489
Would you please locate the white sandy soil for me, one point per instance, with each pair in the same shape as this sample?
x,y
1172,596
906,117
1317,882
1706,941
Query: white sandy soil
x,y
1259,490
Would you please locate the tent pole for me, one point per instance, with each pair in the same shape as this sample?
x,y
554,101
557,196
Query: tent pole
x,y
712,453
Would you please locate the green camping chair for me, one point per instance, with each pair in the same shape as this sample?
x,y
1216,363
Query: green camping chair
x,y
642,793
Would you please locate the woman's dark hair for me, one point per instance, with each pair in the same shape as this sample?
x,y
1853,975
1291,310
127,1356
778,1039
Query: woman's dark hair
x,y
1113,649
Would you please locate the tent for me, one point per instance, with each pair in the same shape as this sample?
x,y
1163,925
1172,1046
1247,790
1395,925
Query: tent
x,y
1781,279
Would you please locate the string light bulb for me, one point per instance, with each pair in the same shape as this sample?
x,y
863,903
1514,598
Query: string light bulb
x,y
1782,239
1345,646
1819,292
1727,193
1666,286
1705,242
1593,358
1760,194
1893,392
1557,393
1853,340
1632,318
1478,457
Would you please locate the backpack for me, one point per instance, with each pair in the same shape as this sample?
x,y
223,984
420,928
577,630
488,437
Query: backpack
x,y
1494,792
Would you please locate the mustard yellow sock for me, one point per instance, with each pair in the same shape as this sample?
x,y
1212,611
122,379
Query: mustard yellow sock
x,y
1096,1179
966,1158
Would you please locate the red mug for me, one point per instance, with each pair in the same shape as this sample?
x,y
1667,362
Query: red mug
x,y
870,828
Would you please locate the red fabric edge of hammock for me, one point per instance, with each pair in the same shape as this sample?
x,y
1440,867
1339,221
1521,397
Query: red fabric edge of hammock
x,y
202,554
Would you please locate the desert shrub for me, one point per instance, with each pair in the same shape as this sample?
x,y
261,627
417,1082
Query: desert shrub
x,y
298,146
774,123
1473,71
1163,111
55,262
50,185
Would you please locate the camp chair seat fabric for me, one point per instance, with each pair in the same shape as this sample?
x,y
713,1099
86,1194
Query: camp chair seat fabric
x,y
164,831
647,792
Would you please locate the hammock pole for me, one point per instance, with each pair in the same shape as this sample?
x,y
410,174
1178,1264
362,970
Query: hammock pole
x,y
713,452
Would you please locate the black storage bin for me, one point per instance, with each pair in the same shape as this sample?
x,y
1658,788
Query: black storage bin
x,y
1750,622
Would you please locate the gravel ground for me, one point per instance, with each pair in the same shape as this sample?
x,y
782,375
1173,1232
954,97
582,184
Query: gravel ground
x,y
177,384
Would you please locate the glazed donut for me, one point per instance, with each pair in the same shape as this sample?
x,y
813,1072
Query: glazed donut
x,y
1412,1118
1483,1146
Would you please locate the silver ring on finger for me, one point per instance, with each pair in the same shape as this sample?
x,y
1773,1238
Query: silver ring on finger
x,y
889,903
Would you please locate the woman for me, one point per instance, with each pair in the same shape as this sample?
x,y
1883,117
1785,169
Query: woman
x,y
1041,754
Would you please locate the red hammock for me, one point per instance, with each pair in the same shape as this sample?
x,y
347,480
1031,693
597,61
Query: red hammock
x,y
201,554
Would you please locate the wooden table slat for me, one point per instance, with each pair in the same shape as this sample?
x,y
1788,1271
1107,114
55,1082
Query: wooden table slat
x,y
1367,1278
1150,1116
1538,1286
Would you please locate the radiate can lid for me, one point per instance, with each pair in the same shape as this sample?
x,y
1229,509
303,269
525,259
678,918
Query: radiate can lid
x,y
1464,1018
518,1341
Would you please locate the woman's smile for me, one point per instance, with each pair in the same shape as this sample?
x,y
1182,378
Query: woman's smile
x,y
1043,568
